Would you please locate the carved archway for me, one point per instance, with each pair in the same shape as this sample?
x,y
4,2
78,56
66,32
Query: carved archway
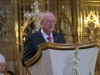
x,y
7,44
91,28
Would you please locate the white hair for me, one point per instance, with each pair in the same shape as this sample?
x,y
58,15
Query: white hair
x,y
2,58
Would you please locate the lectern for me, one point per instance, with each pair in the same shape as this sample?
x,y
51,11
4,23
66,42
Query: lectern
x,y
56,59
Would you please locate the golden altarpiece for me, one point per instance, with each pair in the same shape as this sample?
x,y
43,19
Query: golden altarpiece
x,y
77,20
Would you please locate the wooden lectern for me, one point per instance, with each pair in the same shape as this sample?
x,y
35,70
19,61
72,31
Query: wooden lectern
x,y
56,59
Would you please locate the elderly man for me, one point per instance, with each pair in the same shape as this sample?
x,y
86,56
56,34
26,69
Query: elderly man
x,y
45,34
3,70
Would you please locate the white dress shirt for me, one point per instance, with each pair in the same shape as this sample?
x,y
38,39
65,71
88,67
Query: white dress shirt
x,y
46,36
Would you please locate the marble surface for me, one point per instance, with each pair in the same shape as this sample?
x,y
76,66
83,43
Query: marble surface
x,y
58,62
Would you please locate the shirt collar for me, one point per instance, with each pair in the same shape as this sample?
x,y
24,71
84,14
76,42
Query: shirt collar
x,y
45,35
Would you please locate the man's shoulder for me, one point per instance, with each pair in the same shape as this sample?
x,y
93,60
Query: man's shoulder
x,y
9,73
56,33
59,38
34,34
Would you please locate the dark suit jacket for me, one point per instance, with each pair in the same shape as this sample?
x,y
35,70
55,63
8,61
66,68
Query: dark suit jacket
x,y
32,42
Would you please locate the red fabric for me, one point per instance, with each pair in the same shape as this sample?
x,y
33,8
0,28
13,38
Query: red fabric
x,y
49,38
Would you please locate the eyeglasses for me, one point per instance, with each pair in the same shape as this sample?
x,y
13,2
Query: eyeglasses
x,y
2,64
50,21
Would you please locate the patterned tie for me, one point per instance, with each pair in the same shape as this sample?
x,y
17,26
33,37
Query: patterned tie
x,y
49,38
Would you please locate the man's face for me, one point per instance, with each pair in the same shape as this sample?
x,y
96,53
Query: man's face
x,y
48,24
2,67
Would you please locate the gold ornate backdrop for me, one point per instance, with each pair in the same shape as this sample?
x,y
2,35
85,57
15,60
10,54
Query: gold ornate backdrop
x,y
77,20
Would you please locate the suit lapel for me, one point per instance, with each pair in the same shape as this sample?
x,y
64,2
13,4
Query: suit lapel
x,y
40,37
55,38
42,40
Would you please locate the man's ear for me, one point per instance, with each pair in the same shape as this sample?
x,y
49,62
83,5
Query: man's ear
x,y
41,22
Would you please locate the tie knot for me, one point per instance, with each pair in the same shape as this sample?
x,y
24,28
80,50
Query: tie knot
x,y
49,38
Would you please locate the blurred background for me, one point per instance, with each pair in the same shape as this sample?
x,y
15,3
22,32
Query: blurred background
x,y
77,20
